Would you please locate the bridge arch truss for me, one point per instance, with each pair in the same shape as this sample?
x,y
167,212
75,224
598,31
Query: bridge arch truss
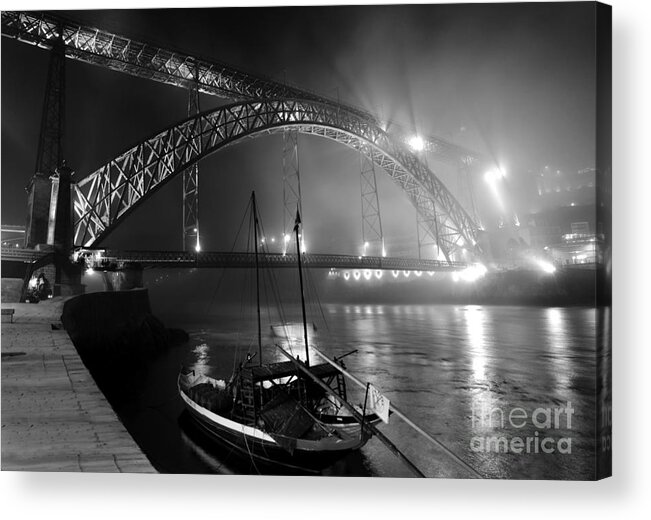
x,y
108,195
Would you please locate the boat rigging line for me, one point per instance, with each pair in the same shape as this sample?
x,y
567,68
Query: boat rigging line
x,y
297,223
254,212
365,425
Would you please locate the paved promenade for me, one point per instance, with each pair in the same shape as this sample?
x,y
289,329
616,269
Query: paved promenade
x,y
54,418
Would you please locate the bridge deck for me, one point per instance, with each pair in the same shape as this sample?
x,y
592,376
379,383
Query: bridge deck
x,y
115,260
19,254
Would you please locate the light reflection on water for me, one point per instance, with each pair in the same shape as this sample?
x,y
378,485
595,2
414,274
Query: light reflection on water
x,y
475,330
440,364
558,344
202,352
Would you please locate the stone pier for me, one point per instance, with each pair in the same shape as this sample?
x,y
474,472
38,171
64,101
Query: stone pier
x,y
54,417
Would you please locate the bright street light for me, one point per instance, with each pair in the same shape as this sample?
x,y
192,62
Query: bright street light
x,y
416,143
494,175
546,267
472,273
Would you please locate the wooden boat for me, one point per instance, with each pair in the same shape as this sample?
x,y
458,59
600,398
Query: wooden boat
x,y
273,424
290,414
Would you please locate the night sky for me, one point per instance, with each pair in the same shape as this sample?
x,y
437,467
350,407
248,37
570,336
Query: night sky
x,y
512,81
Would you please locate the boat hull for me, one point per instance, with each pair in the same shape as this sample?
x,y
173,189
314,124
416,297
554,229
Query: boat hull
x,y
252,443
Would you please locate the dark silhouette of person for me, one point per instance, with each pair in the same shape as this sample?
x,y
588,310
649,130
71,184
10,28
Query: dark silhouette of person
x,y
42,286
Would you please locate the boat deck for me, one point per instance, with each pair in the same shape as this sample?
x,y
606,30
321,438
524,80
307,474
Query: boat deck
x,y
288,368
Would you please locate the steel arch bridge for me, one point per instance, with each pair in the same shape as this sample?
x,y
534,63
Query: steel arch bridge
x,y
104,198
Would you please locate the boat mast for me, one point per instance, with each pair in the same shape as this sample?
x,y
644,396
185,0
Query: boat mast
x,y
257,273
300,276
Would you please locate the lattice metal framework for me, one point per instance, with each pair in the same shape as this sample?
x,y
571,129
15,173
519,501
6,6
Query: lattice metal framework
x,y
119,53
106,196
427,230
291,189
50,145
372,237
191,187
427,225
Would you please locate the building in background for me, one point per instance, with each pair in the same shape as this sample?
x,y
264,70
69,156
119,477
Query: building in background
x,y
563,225
558,188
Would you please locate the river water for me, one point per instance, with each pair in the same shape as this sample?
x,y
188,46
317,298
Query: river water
x,y
509,389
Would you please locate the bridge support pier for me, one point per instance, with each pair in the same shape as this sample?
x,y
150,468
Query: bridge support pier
x,y
67,281
59,232
39,192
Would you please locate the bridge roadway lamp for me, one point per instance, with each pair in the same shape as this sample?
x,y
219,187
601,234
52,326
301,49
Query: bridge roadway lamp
x,y
470,274
286,239
546,267
416,143
494,175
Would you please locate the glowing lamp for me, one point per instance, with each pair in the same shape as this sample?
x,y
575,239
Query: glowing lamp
x,y
492,176
416,143
546,267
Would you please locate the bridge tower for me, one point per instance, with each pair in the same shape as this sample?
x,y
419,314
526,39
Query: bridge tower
x,y
372,236
291,188
49,199
50,151
191,183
